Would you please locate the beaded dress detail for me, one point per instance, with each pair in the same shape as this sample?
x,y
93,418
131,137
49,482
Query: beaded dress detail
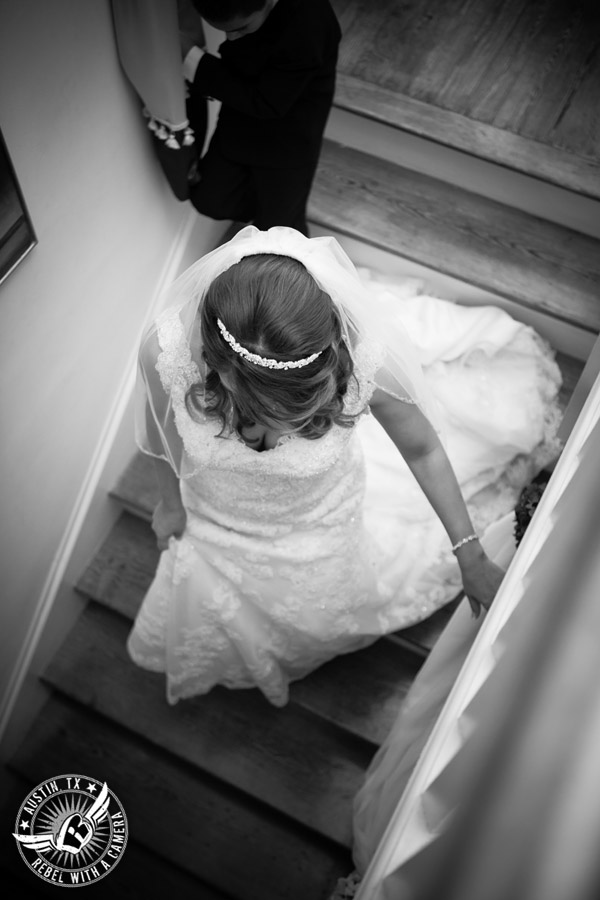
x,y
296,554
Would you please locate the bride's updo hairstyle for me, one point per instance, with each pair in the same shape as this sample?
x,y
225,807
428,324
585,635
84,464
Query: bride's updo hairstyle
x,y
273,307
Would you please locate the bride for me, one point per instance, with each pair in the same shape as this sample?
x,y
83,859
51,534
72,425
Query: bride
x,y
328,455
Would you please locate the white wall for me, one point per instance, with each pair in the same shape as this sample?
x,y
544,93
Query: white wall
x,y
71,312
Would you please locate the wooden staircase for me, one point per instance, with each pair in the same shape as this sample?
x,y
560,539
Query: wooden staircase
x,y
535,263
508,81
226,796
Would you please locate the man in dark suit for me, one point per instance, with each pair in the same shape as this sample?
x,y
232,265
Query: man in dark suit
x,y
275,79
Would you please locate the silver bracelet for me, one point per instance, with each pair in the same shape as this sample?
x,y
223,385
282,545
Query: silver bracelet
x,y
465,540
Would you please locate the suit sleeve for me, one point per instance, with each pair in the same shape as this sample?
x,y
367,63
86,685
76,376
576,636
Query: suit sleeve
x,y
269,96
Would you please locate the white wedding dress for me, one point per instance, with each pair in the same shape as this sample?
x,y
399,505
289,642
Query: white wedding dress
x,y
294,555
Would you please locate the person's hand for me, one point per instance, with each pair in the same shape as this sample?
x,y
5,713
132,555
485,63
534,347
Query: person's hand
x,y
481,579
168,522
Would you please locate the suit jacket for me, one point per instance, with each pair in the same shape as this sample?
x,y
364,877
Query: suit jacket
x,y
276,86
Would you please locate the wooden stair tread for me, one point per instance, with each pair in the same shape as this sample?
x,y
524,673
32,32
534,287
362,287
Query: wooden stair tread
x,y
137,488
580,174
513,83
212,833
136,877
123,568
533,262
362,692
283,757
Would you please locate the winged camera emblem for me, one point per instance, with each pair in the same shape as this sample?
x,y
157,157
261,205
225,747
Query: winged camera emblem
x,y
75,832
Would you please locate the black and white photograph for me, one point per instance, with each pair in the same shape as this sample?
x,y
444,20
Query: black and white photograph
x,y
300,456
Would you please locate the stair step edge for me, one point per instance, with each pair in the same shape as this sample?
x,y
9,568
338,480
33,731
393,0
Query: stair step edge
x,y
459,234
236,847
94,658
577,174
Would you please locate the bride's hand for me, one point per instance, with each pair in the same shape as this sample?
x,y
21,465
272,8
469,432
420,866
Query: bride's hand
x,y
168,522
481,579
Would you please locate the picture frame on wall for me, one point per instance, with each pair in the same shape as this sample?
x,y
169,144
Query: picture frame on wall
x,y
17,236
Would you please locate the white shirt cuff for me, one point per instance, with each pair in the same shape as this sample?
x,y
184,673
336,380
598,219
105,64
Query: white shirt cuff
x,y
190,63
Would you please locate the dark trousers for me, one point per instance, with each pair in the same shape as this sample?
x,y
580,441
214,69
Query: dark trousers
x,y
257,194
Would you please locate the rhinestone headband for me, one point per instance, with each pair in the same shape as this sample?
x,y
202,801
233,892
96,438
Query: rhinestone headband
x,y
263,360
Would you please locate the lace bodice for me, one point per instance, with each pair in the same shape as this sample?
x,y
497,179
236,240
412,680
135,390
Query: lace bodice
x,y
293,455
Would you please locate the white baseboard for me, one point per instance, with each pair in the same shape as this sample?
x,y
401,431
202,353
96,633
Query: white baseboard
x,y
93,514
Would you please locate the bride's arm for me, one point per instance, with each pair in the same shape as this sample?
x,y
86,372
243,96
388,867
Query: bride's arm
x,y
420,446
169,518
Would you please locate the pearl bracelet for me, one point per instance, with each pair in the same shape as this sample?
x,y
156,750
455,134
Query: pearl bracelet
x,y
465,540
